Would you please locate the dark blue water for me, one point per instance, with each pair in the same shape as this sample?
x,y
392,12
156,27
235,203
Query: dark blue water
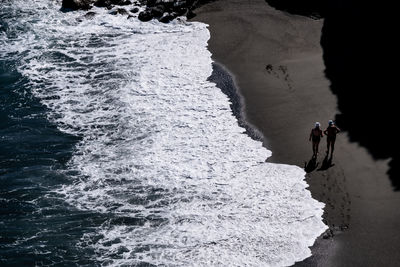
x,y
36,228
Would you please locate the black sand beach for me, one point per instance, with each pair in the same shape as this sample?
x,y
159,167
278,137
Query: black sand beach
x,y
280,69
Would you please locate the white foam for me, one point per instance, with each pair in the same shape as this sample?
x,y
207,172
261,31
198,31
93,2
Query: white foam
x,y
160,148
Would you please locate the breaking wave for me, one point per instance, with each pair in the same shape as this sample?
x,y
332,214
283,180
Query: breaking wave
x,y
160,154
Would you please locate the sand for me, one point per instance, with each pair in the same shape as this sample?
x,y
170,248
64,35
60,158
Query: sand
x,y
276,61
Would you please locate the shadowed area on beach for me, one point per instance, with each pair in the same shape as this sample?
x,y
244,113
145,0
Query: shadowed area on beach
x,y
357,52
293,69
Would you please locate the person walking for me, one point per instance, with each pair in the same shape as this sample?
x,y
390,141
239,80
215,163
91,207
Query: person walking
x,y
315,136
331,133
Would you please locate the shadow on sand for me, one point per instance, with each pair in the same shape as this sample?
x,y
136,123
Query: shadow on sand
x,y
358,46
311,165
326,163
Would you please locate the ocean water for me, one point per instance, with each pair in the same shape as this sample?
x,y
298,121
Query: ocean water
x,y
117,150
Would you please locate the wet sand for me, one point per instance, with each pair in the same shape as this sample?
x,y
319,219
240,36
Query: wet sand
x,y
276,60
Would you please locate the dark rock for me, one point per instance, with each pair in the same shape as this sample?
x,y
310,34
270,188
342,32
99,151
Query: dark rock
x,y
157,11
119,11
180,7
180,11
180,3
151,3
167,17
145,16
165,2
135,10
77,4
121,2
190,14
110,3
90,15
103,3
168,4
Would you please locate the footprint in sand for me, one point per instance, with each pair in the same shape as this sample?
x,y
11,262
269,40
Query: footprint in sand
x,y
281,72
337,199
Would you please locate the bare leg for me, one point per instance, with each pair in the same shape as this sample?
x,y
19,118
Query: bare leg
x,y
315,148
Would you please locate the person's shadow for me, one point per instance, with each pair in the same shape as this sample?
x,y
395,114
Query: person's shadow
x,y
311,165
327,163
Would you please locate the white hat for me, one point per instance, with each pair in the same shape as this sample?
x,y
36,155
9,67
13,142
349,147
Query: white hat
x,y
317,124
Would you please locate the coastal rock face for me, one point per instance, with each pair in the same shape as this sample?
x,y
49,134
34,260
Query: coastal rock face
x,y
77,4
158,11
145,16
110,3
88,4
167,10
163,10
102,3
166,18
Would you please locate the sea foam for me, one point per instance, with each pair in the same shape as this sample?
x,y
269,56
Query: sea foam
x,y
160,154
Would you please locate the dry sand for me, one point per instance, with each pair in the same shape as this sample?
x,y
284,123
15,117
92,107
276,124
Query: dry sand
x,y
283,101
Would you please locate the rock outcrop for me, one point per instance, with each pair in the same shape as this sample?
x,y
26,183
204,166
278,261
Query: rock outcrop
x,y
110,3
77,4
163,10
167,10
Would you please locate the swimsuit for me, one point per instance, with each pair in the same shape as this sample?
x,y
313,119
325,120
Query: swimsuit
x,y
316,138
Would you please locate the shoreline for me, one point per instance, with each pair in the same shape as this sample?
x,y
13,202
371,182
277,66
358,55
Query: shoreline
x,y
225,81
276,61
